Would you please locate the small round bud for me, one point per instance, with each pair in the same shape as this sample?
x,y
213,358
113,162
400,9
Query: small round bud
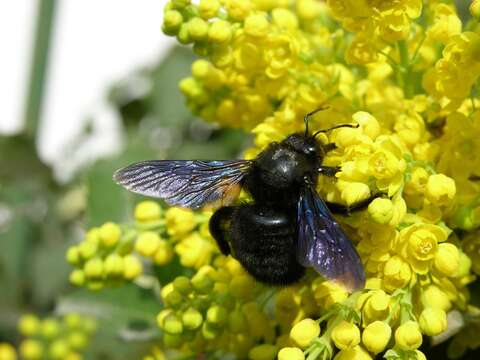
x,y
7,352
209,331
93,268
346,335
447,259
433,321
58,349
202,283
77,340
376,336
172,20
219,32
132,267
147,243
50,328
28,325
192,319
440,189
113,265
87,249
208,9
164,253
110,234
217,315
304,332
172,325
77,277
73,255
355,192
237,322
147,211
408,336
381,210
291,353
475,9
31,349
256,25
183,285
197,29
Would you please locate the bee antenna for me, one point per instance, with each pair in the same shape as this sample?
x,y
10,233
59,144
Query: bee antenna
x,y
336,127
306,117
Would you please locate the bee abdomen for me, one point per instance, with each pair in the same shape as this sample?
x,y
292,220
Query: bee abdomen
x,y
263,240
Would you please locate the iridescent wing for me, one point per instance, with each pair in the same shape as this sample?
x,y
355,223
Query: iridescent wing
x,y
323,245
186,183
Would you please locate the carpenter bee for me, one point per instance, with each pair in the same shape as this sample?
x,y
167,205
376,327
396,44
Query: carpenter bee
x,y
286,228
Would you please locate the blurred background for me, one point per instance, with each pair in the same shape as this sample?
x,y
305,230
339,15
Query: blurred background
x,y
86,87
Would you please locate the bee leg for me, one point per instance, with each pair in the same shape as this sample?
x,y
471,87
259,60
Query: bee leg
x,y
219,224
328,170
347,210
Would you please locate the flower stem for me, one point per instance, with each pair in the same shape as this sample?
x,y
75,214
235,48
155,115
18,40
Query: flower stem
x,y
405,69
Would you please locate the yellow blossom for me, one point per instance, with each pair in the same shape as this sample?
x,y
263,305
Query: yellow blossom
x,y
440,189
345,335
376,336
147,211
7,352
291,353
304,332
433,321
447,259
179,221
408,336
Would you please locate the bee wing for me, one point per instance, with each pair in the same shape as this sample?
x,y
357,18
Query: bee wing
x,y
186,183
323,245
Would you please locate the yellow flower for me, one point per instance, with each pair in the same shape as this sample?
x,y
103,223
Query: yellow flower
x,y
354,353
208,8
346,335
419,244
147,211
31,349
28,325
408,336
375,305
327,293
132,267
381,210
195,251
440,189
433,321
304,332
179,221
110,234
164,253
434,297
353,192
291,353
376,336
447,259
7,352
147,243
219,32
397,273
256,25
446,23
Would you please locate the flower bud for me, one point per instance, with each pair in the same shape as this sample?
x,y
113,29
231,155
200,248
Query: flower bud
x,y
434,297
219,32
132,267
368,123
217,315
381,210
291,353
77,340
202,283
172,341
354,353
263,352
192,319
237,323
147,211
408,336
284,19
208,8
31,349
241,286
238,9
209,331
433,321
304,332
376,336
256,25
172,325
77,277
73,255
346,335
183,285
113,265
475,9
179,221
58,349
172,20
28,325
93,268
440,189
147,243
164,253
87,249
447,259
197,29
110,234
7,352
354,192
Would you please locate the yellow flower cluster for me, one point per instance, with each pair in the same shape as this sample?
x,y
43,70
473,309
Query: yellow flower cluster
x,y
405,72
110,255
53,338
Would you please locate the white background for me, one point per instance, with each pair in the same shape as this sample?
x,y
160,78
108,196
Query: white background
x,y
94,43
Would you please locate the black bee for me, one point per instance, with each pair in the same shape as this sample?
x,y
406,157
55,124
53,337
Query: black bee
x,y
286,228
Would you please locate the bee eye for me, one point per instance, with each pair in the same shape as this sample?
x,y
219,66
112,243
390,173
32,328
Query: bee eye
x,y
309,149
